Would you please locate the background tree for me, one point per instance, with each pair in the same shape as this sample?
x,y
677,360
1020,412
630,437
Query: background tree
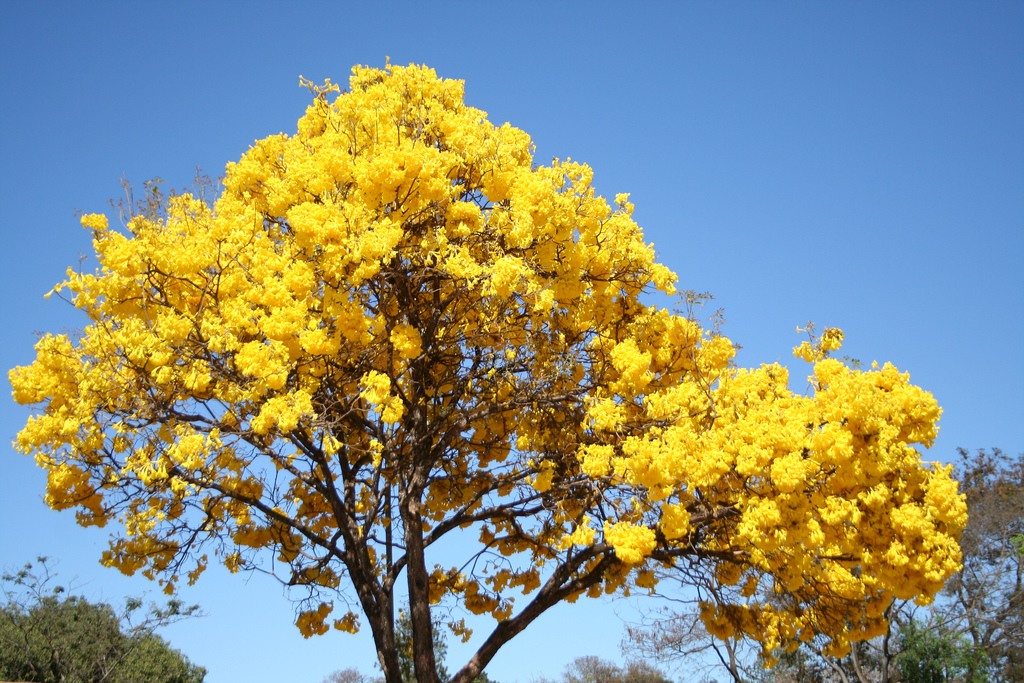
x,y
403,638
986,598
47,636
938,656
406,651
349,675
592,669
392,327
678,638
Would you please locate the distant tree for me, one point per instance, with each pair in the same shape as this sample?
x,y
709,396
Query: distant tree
x,y
48,637
986,598
637,671
591,669
349,675
403,639
404,644
938,656
679,638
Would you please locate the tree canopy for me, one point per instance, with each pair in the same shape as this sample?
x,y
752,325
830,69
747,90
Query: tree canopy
x,y
48,636
392,326
984,602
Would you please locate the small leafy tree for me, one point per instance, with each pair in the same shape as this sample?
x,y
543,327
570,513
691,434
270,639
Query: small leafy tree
x,y
47,636
937,656
404,643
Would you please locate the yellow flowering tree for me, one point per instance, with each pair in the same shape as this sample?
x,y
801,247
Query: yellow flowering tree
x,y
392,327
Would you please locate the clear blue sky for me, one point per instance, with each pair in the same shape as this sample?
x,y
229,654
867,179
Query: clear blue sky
x,y
856,164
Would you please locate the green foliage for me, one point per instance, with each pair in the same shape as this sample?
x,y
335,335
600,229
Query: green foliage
x,y
404,645
48,637
933,655
1017,542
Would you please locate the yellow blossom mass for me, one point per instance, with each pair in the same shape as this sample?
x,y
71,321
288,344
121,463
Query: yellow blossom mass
x,y
393,325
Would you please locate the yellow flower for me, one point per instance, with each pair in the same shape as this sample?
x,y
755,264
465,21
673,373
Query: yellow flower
x,y
406,340
632,543
376,387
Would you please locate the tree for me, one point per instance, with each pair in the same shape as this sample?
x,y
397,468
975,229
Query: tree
x,y
986,598
679,638
49,637
592,669
642,672
349,675
404,640
392,326
929,656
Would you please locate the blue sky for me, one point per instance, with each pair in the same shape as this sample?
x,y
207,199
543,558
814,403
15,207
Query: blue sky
x,y
856,164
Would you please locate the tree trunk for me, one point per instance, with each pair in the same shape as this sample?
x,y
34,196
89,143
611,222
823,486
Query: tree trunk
x,y
419,586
